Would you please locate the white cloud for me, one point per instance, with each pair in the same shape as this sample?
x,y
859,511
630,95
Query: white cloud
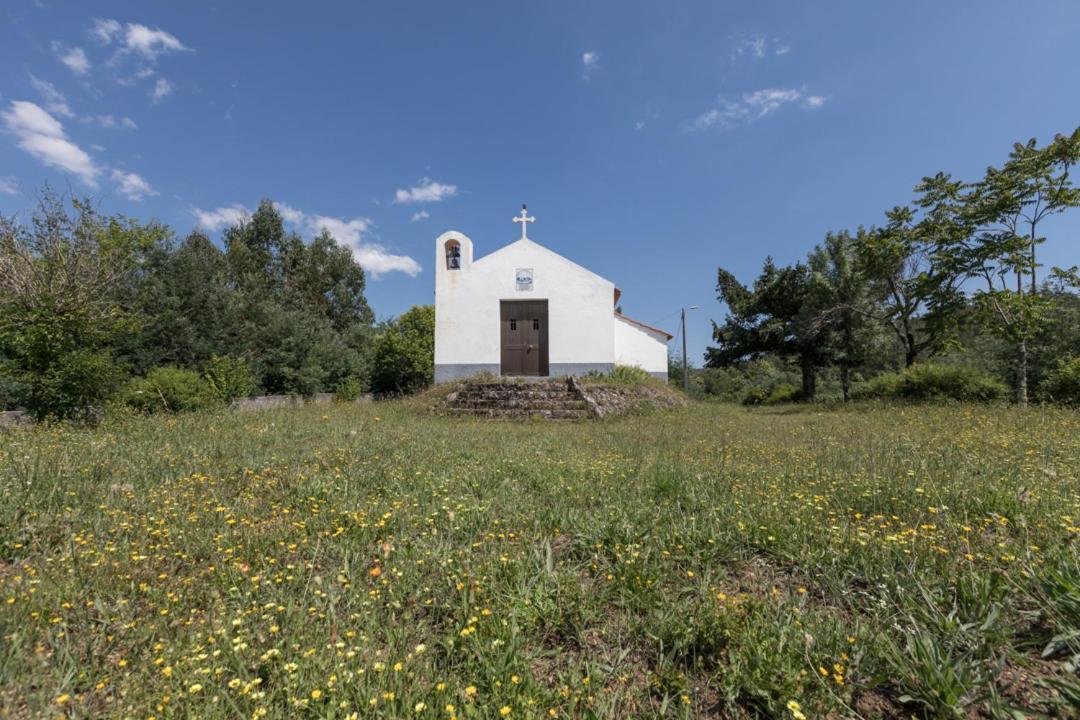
x,y
105,30
9,185
132,185
161,88
590,60
427,190
222,217
351,233
41,135
374,258
418,216
55,102
751,106
75,58
757,46
150,42
136,38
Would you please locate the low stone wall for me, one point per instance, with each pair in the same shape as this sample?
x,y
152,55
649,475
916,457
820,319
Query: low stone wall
x,y
14,417
261,402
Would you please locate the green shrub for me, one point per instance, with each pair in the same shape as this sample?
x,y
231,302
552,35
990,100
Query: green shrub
x,y
167,389
1062,384
755,396
349,390
928,381
782,393
75,385
228,378
404,359
622,375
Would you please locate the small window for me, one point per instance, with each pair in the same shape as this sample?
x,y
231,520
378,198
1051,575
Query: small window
x,y
453,255
513,324
536,324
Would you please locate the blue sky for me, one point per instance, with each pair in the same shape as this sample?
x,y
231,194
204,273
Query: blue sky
x,y
653,141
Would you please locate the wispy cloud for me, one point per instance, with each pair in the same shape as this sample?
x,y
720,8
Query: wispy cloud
x,y
105,30
161,89
755,46
373,257
9,185
427,190
75,58
221,218
54,100
42,136
748,107
132,185
418,216
108,121
590,61
136,38
350,233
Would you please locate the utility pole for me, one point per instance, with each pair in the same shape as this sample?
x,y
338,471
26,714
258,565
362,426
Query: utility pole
x,y
685,371
685,366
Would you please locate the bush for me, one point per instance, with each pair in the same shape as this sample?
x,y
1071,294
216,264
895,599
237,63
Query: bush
x,y
928,381
228,378
777,394
630,375
76,385
1062,384
348,390
783,393
167,389
404,359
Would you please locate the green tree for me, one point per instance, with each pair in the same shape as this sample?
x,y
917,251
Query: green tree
x,y
769,319
839,301
404,358
991,232
59,313
917,298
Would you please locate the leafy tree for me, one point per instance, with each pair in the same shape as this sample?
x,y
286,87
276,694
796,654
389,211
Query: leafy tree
x,y
769,319
404,359
992,232
58,311
918,300
839,301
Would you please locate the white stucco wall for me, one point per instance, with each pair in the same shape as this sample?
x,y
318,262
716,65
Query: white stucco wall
x,y
467,333
640,347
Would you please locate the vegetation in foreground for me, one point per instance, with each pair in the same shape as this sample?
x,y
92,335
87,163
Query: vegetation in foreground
x,y
369,560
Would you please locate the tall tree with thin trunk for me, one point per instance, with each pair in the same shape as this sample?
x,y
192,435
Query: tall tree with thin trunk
x,y
996,224
918,296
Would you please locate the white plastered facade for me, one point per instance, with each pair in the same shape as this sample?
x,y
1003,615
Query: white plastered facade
x,y
584,333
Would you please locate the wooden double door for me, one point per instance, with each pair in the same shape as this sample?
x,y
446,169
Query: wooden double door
x,y
524,337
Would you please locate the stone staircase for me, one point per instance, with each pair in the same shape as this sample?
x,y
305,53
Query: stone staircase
x,y
509,399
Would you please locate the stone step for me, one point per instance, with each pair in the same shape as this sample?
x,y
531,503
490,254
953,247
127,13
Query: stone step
x,y
517,403
467,396
518,413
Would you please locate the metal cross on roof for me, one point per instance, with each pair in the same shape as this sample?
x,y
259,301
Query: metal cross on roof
x,y
524,219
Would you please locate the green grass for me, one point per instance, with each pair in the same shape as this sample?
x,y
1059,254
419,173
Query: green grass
x,y
378,560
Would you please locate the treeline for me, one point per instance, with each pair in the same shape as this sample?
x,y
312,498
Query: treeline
x,y
952,276
97,310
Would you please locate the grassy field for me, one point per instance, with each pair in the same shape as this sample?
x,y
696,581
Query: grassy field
x,y
374,561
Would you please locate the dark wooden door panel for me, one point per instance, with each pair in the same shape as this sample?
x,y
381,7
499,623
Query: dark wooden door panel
x,y
524,332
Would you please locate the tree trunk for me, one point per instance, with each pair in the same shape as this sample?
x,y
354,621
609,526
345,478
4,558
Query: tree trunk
x,y
845,381
809,380
1021,373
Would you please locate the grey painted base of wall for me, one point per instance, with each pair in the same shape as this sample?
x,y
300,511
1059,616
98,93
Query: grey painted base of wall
x,y
660,376
450,373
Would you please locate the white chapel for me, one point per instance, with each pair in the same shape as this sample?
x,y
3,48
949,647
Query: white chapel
x,y
524,310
